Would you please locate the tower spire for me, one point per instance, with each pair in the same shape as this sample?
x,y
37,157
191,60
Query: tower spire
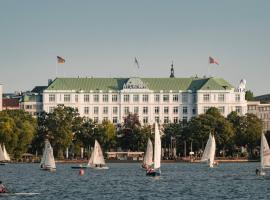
x,y
172,71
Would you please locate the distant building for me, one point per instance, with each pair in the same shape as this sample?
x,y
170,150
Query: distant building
x,y
31,102
262,111
11,103
154,99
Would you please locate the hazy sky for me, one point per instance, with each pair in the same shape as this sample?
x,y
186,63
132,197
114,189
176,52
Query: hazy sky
x,y
101,38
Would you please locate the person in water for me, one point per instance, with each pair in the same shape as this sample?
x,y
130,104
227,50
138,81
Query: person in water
x,y
3,189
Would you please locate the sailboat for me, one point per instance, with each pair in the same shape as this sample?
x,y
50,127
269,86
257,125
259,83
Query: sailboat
x,y
47,160
209,151
96,160
148,158
155,171
265,155
4,157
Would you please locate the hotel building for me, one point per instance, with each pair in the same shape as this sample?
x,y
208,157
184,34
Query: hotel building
x,y
154,99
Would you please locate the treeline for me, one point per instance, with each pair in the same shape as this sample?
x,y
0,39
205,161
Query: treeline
x,y
66,129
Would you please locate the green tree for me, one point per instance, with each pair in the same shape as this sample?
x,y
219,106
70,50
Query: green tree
x,y
59,127
17,129
249,96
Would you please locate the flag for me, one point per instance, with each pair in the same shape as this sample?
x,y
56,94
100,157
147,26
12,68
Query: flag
x,y
213,61
60,60
137,63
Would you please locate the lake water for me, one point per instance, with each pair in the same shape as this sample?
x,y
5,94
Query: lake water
x,y
128,181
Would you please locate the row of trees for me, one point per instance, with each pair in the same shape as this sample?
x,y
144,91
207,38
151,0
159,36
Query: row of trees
x,y
66,129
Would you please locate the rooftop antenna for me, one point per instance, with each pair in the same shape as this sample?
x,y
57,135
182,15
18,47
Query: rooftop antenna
x,y
172,71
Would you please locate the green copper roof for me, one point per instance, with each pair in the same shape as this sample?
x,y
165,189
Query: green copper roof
x,y
155,84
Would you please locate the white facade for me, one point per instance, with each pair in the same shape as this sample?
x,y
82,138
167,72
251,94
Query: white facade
x,y
262,111
150,105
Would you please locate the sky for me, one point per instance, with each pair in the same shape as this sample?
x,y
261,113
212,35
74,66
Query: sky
x,y
102,38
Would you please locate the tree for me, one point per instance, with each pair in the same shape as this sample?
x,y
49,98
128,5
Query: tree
x,y
211,122
128,134
247,129
59,127
249,96
17,129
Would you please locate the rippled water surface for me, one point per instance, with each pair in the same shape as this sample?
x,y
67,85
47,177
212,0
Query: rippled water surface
x,y
128,181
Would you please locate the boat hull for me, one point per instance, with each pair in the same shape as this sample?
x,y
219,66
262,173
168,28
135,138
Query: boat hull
x,y
153,173
79,167
48,169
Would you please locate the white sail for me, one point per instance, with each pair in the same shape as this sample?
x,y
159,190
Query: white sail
x,y
157,150
90,162
148,158
47,161
2,157
209,151
212,152
96,156
265,153
6,156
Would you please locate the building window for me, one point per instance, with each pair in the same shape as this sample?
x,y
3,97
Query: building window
x,y
175,110
237,97
66,97
205,109
95,110
96,98
157,119
156,110
194,111
86,98
184,119
166,110
105,98
51,97
184,97
185,110
28,107
126,110
166,98
166,120
145,110
95,119
206,97
156,97
221,109
76,98
135,98
194,98
136,110
175,120
51,109
238,109
114,98
115,110
175,98
145,98
221,97
105,110
105,119
145,120
115,120
86,110
126,98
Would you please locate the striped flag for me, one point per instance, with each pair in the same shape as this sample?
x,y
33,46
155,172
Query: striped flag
x,y
60,60
213,61
136,62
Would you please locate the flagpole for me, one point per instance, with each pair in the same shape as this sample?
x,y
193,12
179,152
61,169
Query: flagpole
x,y
56,69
